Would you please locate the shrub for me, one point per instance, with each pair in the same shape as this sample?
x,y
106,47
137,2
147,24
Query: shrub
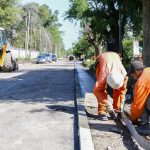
x,y
89,64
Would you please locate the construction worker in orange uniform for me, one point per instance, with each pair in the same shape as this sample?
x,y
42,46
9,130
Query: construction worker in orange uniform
x,y
109,71
140,107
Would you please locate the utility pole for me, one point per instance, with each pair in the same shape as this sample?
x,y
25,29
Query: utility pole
x,y
56,49
29,34
120,30
25,43
46,40
34,38
40,40
26,37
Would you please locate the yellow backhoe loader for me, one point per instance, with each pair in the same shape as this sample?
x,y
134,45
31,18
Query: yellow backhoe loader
x,y
7,62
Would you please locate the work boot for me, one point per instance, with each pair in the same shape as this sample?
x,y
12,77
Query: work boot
x,y
103,110
145,118
103,117
143,129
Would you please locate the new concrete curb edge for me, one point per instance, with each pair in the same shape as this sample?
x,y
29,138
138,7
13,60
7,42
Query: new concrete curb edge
x,y
85,138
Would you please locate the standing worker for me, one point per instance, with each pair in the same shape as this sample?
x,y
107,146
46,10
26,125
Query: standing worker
x,y
140,107
111,71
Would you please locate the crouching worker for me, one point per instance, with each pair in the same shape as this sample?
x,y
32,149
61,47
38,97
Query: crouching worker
x,y
139,110
109,71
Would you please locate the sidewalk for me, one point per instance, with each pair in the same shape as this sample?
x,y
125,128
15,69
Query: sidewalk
x,y
95,134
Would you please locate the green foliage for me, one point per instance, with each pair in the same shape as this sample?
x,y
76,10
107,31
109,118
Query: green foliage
x,y
90,64
36,26
128,52
49,21
19,41
96,16
133,9
8,13
46,16
43,13
69,52
56,34
77,9
83,47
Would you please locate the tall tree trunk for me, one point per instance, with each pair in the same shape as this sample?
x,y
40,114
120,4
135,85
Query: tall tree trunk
x,y
146,32
97,49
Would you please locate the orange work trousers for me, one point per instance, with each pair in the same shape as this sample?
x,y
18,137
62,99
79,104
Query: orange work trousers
x,y
100,91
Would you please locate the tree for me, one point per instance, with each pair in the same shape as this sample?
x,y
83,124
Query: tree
x,y
37,26
9,13
146,31
39,29
29,24
43,13
49,21
80,10
128,53
99,19
83,48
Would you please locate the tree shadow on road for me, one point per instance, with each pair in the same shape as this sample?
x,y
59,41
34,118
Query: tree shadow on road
x,y
38,86
61,108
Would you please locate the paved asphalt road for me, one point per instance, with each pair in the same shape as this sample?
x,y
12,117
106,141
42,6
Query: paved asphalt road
x,y
37,110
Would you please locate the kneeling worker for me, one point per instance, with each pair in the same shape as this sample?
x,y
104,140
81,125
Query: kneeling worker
x,y
140,107
109,71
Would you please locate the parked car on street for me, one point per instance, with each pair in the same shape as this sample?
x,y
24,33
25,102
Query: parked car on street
x,y
48,57
71,57
54,58
41,59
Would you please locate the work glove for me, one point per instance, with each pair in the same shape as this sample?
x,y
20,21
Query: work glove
x,y
126,110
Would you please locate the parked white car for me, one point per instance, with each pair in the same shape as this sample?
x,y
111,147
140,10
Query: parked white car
x,y
48,57
41,59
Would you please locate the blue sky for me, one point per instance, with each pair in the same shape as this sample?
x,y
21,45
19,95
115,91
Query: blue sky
x,y
71,31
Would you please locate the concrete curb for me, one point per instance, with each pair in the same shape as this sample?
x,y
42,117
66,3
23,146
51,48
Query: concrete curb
x,y
85,138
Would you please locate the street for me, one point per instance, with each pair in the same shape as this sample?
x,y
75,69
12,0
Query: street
x,y
37,110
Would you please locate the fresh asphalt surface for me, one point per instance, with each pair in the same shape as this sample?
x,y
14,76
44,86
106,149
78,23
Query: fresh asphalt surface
x,y
37,110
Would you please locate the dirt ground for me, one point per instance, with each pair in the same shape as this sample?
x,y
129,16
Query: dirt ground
x,y
109,134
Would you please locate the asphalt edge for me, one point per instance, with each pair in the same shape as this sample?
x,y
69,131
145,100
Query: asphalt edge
x,y
85,138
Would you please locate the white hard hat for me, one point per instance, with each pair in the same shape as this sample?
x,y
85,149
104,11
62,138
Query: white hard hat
x,y
115,80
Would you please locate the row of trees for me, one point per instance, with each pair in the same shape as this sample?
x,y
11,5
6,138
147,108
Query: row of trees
x,y
111,25
34,26
105,25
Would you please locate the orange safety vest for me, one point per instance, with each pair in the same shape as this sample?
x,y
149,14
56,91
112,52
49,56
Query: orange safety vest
x,y
141,92
109,62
